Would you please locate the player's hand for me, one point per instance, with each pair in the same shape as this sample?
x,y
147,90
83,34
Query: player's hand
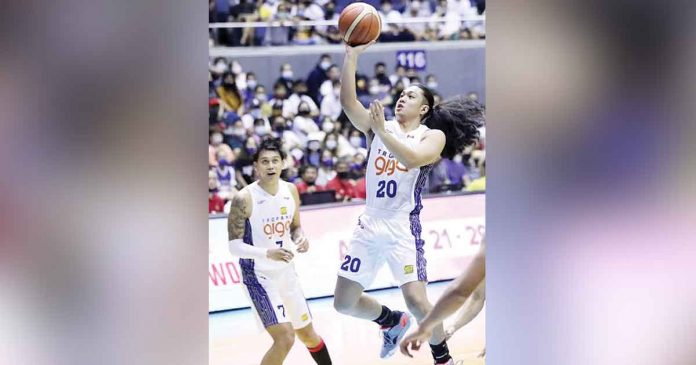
x,y
280,254
301,242
377,116
414,340
356,50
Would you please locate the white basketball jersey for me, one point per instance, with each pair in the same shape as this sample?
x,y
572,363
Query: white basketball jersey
x,y
269,223
390,186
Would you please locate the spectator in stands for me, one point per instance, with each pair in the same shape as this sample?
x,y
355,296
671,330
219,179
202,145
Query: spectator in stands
x,y
438,176
332,132
395,33
236,134
245,160
308,180
431,82
286,77
343,183
281,130
359,165
313,153
399,75
356,139
280,100
229,179
317,76
416,9
261,129
332,74
456,170
330,141
329,33
381,75
378,92
299,95
326,170
215,203
331,103
480,183
217,148
249,92
303,124
361,89
280,36
472,95
387,13
230,97
446,21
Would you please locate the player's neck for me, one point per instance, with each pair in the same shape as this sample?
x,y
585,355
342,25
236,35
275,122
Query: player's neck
x,y
270,186
408,125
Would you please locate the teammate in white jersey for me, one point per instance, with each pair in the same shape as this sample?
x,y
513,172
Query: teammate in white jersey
x,y
401,153
263,227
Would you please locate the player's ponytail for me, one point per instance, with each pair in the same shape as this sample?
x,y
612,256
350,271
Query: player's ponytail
x,y
459,118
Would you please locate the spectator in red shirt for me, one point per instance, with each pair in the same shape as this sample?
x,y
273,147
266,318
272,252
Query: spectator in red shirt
x,y
308,179
343,183
216,204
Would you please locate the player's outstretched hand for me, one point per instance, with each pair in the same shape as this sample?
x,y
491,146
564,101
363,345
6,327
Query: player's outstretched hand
x,y
377,116
356,50
279,254
301,242
414,341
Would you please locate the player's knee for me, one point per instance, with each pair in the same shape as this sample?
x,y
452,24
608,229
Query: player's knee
x,y
285,340
343,306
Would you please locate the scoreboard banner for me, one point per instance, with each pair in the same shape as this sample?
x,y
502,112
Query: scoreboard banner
x,y
453,229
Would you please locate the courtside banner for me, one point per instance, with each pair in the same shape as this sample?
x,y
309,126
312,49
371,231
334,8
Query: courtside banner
x,y
453,228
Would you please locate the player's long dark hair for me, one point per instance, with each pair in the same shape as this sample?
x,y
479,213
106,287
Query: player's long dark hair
x,y
459,118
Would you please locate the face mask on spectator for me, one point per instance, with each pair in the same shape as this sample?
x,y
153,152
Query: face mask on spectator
x,y
251,150
256,113
251,84
343,175
328,162
325,65
327,127
303,111
287,74
221,67
222,162
331,144
355,141
313,145
374,90
216,138
297,154
432,85
260,130
457,159
262,97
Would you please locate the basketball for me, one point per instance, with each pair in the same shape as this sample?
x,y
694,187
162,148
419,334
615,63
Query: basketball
x,y
359,24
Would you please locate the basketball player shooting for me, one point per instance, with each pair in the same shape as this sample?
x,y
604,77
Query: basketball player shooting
x,y
401,154
263,225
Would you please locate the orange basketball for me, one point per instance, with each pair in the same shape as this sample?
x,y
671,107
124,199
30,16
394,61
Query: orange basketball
x,y
359,24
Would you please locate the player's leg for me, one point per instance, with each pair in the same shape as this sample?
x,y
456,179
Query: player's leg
x,y
301,317
350,299
283,340
417,302
408,265
315,344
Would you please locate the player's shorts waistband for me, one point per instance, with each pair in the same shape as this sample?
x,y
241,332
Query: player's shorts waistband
x,y
386,213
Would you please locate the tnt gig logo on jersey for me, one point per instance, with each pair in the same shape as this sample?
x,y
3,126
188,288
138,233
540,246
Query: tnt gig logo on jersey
x,y
387,163
278,225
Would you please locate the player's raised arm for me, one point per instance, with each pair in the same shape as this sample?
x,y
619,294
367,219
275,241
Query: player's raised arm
x,y
296,231
357,114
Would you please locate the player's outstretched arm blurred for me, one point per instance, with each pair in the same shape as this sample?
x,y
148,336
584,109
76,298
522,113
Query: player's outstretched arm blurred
x,y
472,307
454,297
357,114
296,231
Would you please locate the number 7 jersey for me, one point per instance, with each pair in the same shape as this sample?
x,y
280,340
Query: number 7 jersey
x,y
390,186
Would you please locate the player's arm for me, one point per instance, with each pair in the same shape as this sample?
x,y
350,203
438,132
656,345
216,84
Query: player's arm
x,y
296,231
454,297
427,151
357,114
240,211
472,307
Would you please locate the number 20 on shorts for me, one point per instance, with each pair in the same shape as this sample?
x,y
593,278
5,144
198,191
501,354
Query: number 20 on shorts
x,y
352,263
388,187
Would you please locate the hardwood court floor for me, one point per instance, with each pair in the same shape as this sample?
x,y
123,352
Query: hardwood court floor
x,y
235,338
